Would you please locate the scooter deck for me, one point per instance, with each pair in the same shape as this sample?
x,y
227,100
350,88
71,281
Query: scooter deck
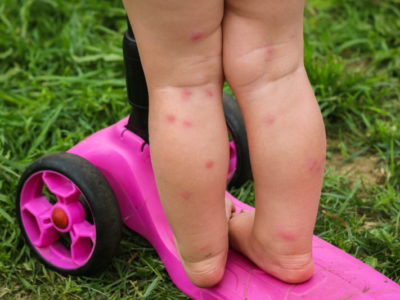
x,y
124,159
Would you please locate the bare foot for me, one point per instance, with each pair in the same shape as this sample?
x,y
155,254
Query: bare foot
x,y
229,208
209,270
205,272
291,267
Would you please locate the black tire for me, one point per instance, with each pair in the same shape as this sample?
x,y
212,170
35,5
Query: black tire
x,y
237,130
100,201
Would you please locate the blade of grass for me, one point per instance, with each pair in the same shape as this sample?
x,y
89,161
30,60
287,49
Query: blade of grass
x,y
151,287
45,128
6,216
350,196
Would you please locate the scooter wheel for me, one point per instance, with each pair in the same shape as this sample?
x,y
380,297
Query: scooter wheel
x,y
68,214
239,166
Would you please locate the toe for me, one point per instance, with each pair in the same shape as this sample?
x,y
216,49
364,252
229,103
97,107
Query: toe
x,y
229,208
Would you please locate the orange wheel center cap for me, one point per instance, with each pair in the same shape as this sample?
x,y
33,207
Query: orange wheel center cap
x,y
60,218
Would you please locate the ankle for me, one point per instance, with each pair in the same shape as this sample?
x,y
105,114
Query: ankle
x,y
284,240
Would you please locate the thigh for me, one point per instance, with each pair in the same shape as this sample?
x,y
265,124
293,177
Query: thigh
x,y
180,41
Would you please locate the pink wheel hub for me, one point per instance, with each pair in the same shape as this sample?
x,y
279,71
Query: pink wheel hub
x,y
59,218
59,230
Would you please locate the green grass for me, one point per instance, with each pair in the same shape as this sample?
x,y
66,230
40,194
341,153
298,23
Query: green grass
x,y
62,78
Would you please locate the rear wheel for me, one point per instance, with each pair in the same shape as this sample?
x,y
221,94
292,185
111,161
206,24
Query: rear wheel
x,y
68,214
239,166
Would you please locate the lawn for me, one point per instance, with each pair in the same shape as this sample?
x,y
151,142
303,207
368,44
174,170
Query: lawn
x,y
62,78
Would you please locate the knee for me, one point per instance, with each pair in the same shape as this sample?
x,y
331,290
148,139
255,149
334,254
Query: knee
x,y
257,67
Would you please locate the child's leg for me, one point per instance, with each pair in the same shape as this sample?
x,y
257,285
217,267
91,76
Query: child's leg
x,y
180,45
263,63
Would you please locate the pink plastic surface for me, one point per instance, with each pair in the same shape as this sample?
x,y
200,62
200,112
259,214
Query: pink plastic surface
x,y
36,215
232,159
124,159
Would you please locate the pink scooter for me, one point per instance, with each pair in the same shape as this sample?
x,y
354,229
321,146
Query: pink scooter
x,y
71,207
